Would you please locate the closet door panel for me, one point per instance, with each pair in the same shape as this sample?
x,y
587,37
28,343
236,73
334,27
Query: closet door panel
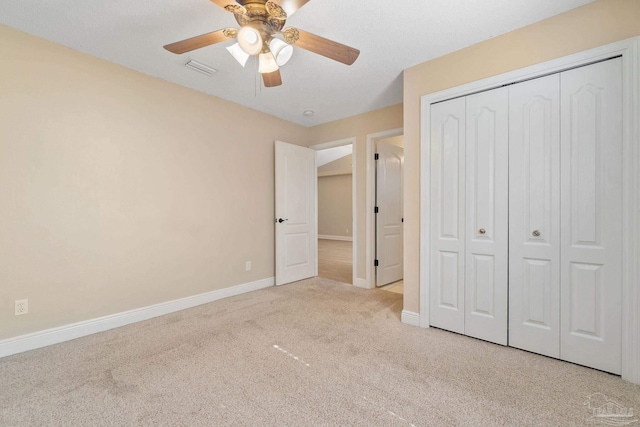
x,y
591,215
486,215
534,215
447,215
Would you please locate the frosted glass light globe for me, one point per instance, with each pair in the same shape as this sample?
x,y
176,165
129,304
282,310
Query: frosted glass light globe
x,y
281,51
250,40
267,63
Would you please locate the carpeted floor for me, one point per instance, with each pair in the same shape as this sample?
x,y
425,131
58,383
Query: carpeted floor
x,y
316,352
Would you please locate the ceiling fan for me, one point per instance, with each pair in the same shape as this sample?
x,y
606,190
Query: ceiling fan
x,y
261,34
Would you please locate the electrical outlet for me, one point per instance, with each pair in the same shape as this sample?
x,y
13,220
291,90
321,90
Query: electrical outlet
x,y
247,266
22,306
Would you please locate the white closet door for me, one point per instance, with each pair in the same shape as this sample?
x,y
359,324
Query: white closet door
x,y
534,215
487,175
591,215
447,215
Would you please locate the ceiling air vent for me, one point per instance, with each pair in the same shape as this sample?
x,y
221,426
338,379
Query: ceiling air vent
x,y
200,67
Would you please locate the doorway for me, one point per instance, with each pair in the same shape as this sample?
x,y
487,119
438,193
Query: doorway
x,y
336,210
384,249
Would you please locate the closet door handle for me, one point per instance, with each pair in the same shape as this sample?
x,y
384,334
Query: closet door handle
x,y
482,231
536,233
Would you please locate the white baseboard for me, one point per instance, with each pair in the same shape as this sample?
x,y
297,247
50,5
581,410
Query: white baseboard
x,y
410,318
361,283
76,330
343,238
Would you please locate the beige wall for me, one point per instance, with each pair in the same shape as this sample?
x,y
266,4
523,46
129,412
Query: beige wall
x,y
359,127
335,205
119,190
398,141
338,166
593,25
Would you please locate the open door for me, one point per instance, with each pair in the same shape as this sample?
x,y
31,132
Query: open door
x,y
296,213
389,216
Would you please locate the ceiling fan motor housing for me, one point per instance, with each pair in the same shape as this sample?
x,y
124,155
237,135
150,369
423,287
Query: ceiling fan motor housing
x,y
266,17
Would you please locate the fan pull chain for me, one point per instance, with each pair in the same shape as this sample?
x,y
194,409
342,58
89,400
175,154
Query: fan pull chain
x,y
257,78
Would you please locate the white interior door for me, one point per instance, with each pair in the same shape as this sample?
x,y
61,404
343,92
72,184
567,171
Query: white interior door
x,y
534,215
591,215
389,216
487,215
447,200
296,213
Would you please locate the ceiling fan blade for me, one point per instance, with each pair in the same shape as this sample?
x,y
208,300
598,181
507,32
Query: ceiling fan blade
x,y
325,47
201,41
272,79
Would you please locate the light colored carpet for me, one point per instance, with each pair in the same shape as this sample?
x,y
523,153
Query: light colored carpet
x,y
316,352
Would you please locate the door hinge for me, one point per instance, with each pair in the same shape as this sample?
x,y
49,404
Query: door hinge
x,y
402,220
375,210
375,263
376,156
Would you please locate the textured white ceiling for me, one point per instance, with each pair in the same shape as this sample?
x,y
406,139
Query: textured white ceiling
x,y
391,35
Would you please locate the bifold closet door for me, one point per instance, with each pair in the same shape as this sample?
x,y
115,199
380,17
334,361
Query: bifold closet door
x,y
591,215
487,215
446,276
534,215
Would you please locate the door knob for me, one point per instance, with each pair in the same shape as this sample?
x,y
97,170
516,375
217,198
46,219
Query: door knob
x,y
282,220
482,231
536,233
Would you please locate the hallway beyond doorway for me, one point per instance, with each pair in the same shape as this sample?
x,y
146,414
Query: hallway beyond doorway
x,y
335,260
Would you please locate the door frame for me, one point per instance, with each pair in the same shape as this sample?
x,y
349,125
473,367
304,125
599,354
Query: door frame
x,y
369,281
354,205
629,51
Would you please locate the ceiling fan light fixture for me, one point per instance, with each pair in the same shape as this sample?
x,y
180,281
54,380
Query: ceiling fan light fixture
x,y
267,63
281,50
250,40
240,55
262,33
